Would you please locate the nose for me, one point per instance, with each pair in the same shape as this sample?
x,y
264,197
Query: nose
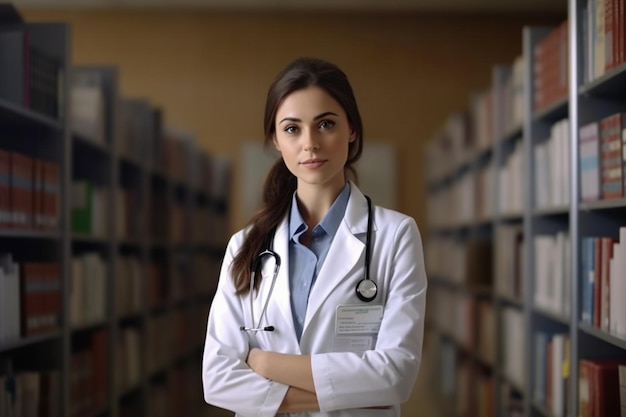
x,y
310,142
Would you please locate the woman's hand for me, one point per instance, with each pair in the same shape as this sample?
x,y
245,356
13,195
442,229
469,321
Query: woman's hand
x,y
288,369
256,361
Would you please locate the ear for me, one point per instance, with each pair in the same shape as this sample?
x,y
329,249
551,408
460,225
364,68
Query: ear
x,y
275,142
352,136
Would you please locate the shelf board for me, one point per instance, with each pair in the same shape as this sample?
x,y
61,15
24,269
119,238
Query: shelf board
x,y
202,195
510,301
484,362
160,175
602,335
541,409
551,211
129,317
482,155
87,327
511,217
182,247
160,244
159,307
613,203
133,389
29,234
556,317
29,341
92,144
181,185
14,113
81,238
516,386
131,161
133,243
512,135
441,282
611,84
555,111
482,291
483,223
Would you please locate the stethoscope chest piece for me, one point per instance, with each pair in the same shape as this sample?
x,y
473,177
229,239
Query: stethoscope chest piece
x,y
366,290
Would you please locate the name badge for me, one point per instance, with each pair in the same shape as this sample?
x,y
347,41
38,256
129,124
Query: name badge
x,y
358,319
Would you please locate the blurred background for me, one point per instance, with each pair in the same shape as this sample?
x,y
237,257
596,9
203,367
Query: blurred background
x,y
157,143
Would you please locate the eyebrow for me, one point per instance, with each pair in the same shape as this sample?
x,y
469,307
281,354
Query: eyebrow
x,y
320,116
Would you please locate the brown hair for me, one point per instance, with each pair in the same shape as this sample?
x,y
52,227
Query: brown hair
x,y
280,183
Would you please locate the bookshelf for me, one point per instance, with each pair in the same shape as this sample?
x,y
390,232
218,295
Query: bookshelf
x,y
557,227
110,243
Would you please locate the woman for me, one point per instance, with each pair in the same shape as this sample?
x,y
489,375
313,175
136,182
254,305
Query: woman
x,y
313,335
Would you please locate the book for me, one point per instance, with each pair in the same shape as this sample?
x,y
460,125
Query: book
x,y
589,162
599,387
14,66
611,157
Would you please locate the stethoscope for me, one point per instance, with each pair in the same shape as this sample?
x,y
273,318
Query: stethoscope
x,y
366,289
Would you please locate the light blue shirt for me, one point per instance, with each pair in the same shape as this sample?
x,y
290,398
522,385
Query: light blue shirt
x,y
305,263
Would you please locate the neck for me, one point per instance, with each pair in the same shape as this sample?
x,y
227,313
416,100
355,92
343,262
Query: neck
x,y
315,201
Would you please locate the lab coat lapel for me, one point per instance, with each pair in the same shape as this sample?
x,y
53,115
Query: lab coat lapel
x,y
344,253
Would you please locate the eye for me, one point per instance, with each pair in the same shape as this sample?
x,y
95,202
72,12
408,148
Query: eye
x,y
291,129
326,124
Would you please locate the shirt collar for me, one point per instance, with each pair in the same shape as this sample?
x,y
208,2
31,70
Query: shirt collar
x,y
330,222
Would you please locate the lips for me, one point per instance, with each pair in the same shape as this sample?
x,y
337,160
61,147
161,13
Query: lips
x,y
313,163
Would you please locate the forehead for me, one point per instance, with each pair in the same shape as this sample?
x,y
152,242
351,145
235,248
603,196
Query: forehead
x,y
308,102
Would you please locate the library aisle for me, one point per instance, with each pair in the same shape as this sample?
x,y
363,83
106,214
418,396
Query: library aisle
x,y
426,399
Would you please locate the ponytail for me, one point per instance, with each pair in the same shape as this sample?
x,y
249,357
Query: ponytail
x,y
278,190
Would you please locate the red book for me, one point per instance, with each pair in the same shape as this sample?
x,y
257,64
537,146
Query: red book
x,y
602,380
609,34
618,31
51,195
47,278
611,157
621,27
30,299
564,60
37,193
99,366
54,274
584,389
20,190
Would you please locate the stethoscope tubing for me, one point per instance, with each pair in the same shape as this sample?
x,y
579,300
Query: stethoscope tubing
x,y
364,285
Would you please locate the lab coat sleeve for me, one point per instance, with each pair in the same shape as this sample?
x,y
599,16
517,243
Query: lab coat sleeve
x,y
227,380
385,375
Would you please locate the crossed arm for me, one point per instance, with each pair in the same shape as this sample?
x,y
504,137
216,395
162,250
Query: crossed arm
x,y
292,370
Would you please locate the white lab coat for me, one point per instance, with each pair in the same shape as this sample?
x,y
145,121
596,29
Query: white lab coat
x,y
345,382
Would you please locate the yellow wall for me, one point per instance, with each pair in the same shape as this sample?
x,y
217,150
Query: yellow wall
x,y
209,72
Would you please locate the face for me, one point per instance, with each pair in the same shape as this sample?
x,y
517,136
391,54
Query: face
x,y
313,134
